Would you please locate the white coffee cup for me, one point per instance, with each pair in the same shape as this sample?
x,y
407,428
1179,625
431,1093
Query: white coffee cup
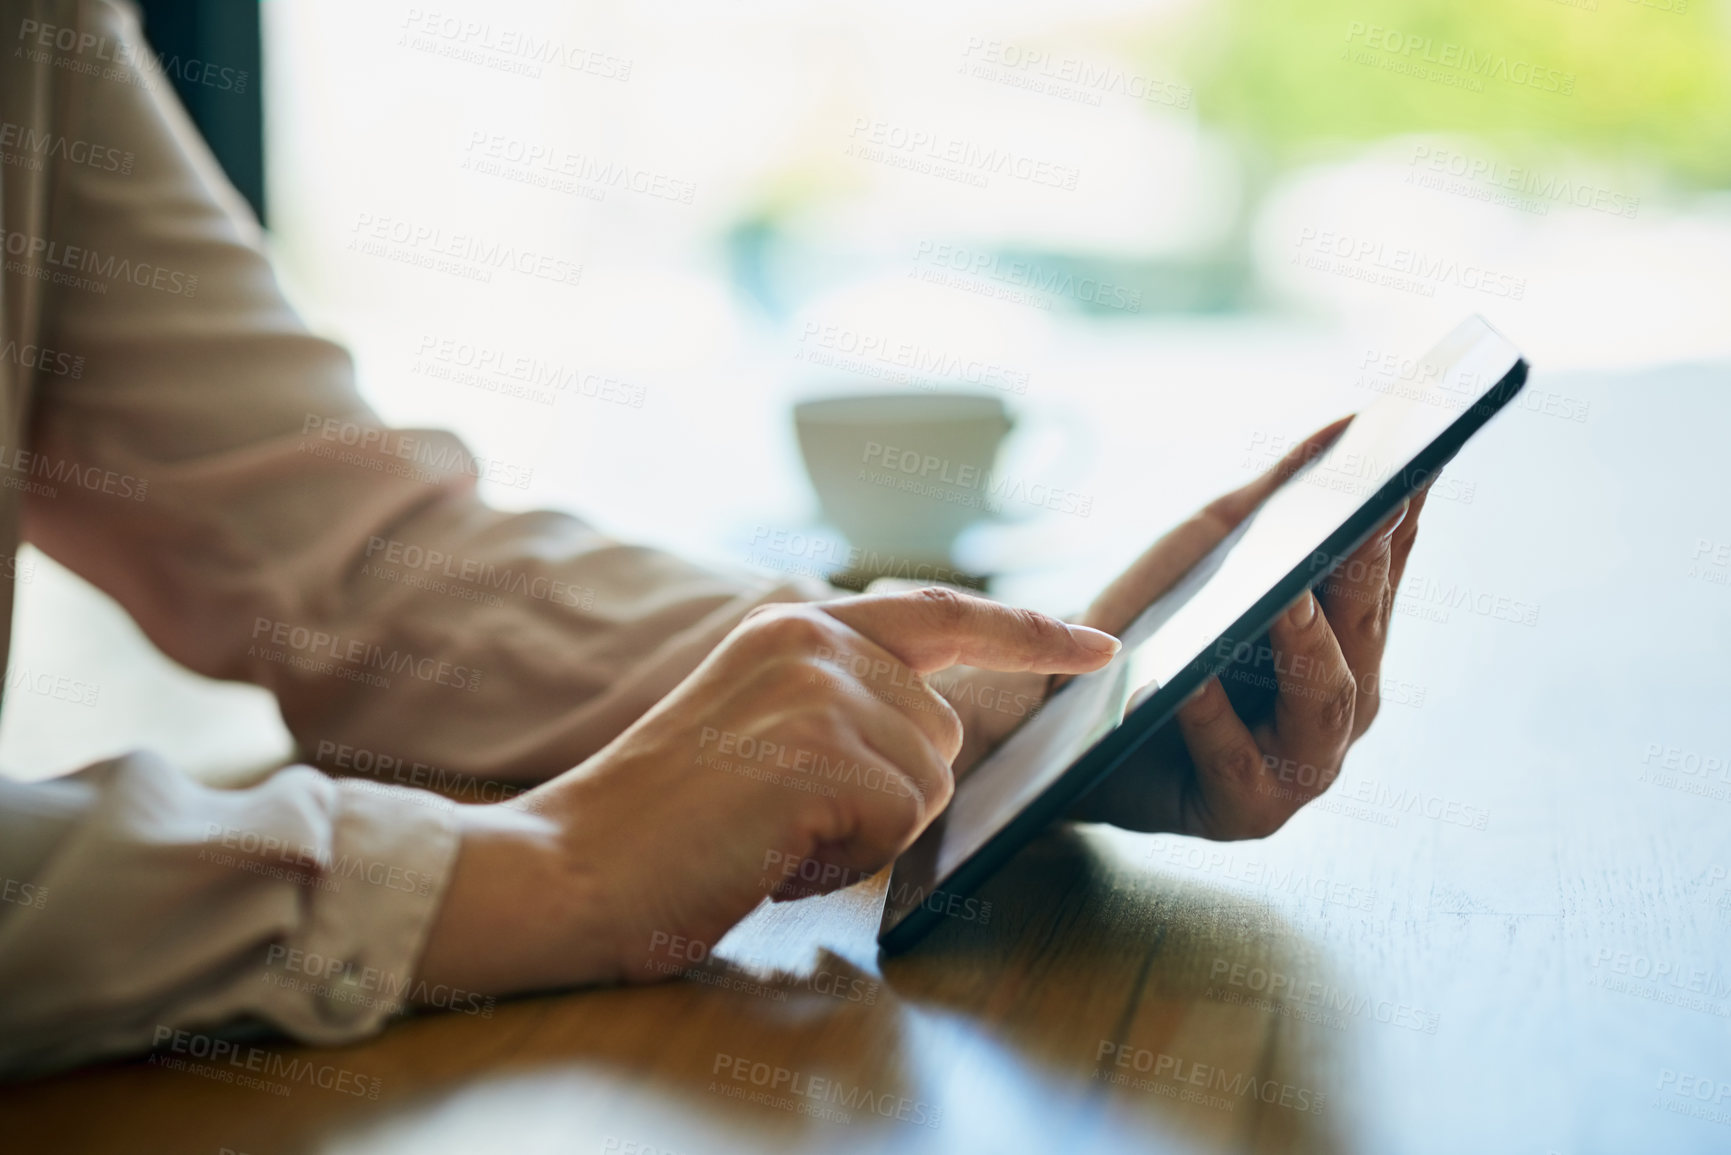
x,y
902,475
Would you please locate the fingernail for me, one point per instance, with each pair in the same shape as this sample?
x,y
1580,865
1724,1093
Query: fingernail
x,y
1303,611
1196,694
1095,641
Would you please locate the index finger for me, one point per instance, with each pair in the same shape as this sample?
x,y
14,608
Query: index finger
x,y
935,628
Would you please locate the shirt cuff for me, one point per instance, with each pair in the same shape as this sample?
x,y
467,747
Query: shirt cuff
x,y
351,964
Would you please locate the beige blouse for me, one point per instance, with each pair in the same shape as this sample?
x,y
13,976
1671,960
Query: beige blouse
x,y
172,432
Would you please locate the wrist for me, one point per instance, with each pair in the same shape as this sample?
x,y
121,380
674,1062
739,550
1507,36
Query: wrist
x,y
515,916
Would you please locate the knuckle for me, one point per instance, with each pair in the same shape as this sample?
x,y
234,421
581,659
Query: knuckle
x,y
1370,620
761,621
1338,707
790,628
1048,632
1239,764
942,604
1384,614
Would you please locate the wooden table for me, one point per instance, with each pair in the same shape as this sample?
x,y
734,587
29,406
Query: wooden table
x,y
1504,929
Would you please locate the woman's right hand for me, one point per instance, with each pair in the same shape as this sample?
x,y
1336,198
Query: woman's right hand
x,y
805,751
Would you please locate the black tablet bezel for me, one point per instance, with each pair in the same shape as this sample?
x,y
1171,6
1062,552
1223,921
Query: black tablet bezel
x,y
1140,724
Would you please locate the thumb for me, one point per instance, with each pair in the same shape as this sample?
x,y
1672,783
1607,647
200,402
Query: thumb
x,y
935,628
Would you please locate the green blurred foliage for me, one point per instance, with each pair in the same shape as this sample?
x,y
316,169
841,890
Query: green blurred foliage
x,y
1652,85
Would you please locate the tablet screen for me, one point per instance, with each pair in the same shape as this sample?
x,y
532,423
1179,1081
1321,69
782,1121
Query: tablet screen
x,y
1193,629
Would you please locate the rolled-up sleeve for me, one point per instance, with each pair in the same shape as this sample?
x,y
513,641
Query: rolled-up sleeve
x,y
140,904
263,525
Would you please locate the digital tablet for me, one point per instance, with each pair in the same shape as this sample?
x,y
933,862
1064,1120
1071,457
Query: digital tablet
x,y
1098,721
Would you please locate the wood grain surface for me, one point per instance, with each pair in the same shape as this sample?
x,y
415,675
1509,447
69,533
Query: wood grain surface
x,y
1504,929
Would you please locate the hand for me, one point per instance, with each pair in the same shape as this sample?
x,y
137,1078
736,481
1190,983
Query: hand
x,y
1213,774
805,750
